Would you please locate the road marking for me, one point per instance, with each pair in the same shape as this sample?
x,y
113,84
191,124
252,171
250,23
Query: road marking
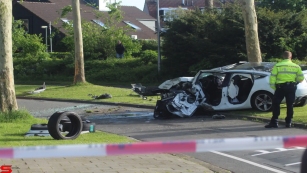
x,y
261,152
282,149
290,164
278,150
249,162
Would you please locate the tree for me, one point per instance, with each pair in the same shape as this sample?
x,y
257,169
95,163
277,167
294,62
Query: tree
x,y
197,40
251,30
78,40
27,45
208,4
7,89
293,5
99,40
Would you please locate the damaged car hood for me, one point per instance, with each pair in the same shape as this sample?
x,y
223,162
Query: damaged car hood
x,y
170,83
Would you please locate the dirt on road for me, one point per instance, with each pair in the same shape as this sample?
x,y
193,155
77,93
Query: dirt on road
x,y
113,110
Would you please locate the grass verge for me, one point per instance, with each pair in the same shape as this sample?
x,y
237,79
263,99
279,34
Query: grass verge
x,y
83,91
298,117
14,125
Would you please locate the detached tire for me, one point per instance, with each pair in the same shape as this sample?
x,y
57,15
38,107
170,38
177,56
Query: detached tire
x,y
39,127
54,125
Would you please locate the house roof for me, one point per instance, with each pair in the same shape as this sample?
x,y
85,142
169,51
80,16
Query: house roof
x,y
51,11
151,5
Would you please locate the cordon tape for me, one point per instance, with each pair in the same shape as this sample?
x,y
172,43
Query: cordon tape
x,y
188,146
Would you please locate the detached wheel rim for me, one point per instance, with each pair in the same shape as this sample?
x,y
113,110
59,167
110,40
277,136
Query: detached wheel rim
x,y
263,102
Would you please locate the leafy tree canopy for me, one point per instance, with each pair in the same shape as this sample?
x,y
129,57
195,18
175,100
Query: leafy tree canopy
x,y
199,40
99,41
293,5
27,45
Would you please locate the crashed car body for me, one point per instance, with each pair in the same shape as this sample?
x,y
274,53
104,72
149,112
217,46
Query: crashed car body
x,y
232,87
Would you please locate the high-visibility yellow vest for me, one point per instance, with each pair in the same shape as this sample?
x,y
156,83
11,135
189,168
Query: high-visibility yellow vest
x,y
285,71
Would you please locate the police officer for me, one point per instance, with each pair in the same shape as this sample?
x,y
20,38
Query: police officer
x,y
284,77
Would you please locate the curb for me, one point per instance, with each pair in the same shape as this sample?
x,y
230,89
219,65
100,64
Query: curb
x,y
267,120
89,102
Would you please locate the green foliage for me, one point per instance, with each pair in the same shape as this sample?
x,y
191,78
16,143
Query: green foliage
x,y
146,45
293,60
60,55
66,10
293,5
51,69
149,56
204,40
99,42
282,30
121,70
149,44
110,70
15,116
27,45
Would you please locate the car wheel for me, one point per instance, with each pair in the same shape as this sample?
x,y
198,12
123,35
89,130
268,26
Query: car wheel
x,y
262,101
157,113
301,103
54,126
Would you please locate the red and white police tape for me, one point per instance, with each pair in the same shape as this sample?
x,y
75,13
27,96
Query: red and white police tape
x,y
188,146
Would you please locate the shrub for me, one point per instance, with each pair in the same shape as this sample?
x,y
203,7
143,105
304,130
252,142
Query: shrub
x,y
15,116
149,56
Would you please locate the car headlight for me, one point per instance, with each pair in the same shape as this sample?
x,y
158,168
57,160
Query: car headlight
x,y
191,99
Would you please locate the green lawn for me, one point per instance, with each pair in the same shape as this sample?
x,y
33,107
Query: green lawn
x,y
12,134
299,113
81,92
14,126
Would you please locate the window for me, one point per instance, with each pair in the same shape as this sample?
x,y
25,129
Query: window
x,y
65,20
99,22
132,25
25,24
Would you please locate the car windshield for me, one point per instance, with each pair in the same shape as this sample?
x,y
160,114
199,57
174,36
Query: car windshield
x,y
262,66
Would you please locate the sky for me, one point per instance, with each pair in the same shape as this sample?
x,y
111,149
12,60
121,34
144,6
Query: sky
x,y
137,3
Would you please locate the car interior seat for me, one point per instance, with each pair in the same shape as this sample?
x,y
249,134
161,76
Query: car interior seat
x,y
233,89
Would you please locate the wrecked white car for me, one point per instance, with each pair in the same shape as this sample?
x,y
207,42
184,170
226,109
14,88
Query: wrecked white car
x,y
232,87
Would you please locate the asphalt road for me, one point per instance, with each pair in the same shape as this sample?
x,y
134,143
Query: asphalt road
x,y
141,125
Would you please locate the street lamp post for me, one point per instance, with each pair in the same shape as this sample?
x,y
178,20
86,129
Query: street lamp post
x,y
50,36
45,27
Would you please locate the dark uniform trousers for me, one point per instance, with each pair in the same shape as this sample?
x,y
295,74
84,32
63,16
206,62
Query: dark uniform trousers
x,y
285,90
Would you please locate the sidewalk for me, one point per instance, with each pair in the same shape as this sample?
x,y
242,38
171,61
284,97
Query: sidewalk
x,y
154,163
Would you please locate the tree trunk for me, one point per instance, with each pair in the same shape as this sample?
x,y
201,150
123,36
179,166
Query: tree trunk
x,y
79,59
208,4
251,30
7,88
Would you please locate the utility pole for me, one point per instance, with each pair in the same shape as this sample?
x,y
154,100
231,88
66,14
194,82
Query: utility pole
x,y
158,34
